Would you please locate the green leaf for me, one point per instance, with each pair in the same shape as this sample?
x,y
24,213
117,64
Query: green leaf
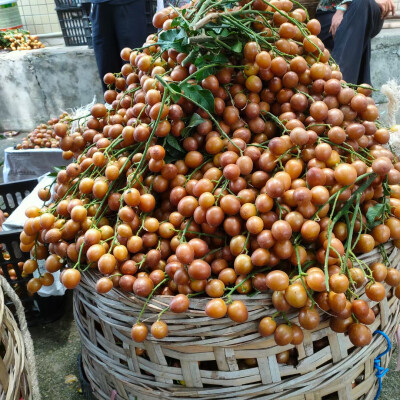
x,y
194,121
173,149
199,96
176,93
173,39
202,62
173,142
237,47
176,22
217,28
386,187
181,22
190,57
211,58
204,73
56,170
373,212
225,32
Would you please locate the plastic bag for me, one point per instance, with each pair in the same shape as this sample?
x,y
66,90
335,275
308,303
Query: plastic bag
x,y
28,164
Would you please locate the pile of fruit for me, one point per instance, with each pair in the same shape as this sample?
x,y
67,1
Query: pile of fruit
x,y
234,161
4,254
19,39
3,217
10,267
43,135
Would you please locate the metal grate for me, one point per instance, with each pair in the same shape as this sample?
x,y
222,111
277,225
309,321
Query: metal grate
x,y
75,25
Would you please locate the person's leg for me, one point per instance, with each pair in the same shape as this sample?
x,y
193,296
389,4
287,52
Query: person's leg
x,y
352,50
131,25
105,43
325,19
365,71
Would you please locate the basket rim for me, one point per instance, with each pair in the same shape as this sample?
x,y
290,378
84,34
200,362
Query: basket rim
x,y
15,357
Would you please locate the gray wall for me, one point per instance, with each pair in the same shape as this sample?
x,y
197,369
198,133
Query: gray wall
x,y
385,60
36,85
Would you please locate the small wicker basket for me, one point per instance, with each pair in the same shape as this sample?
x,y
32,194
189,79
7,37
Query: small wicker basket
x,y
203,358
15,378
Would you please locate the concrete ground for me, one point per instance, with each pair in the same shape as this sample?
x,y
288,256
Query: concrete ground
x,y
391,383
57,346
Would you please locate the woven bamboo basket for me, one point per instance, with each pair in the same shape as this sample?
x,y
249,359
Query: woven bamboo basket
x,y
203,358
15,378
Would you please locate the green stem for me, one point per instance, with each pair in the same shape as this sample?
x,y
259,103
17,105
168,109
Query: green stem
x,y
149,297
183,238
350,232
301,275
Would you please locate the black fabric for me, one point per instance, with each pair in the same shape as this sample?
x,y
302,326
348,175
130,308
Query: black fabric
x,y
115,27
351,47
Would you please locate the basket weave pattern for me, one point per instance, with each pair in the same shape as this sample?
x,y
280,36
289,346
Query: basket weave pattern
x,y
14,374
203,358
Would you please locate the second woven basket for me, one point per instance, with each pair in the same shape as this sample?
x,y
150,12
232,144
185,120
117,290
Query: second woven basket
x,y
15,377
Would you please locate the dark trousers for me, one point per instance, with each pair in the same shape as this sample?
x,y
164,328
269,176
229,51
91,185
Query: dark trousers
x,y
351,47
115,27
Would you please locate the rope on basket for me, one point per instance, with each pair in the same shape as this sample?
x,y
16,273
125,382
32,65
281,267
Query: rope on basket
x,y
380,371
30,357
